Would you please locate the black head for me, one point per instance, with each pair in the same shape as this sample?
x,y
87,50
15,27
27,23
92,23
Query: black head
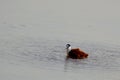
x,y
68,45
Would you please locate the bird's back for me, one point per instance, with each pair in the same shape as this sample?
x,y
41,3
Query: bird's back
x,y
77,54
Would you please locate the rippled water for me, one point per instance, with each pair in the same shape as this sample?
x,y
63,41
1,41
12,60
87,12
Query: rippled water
x,y
33,35
51,54
26,49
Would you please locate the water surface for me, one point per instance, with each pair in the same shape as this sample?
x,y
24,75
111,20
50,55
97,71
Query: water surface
x,y
33,35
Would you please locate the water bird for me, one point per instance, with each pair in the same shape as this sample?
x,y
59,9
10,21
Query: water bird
x,y
75,53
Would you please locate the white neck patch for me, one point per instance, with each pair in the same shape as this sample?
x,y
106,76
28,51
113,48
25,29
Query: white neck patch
x,y
69,49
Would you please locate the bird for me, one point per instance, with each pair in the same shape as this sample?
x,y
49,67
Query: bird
x,y
75,53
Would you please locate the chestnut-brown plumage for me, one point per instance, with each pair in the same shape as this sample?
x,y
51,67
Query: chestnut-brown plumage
x,y
75,53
